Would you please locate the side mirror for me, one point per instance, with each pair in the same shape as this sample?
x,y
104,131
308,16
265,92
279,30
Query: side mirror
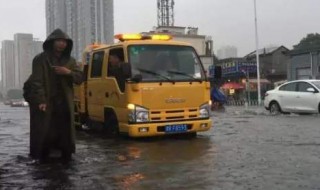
x,y
311,90
126,70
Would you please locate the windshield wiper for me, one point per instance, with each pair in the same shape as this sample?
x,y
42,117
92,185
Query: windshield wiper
x,y
184,74
155,74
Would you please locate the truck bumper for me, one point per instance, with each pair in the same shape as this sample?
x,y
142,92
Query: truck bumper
x,y
159,129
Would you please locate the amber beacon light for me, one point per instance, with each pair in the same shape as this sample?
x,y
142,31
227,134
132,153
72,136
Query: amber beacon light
x,y
127,37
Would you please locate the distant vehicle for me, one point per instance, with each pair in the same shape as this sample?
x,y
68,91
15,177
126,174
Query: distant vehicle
x,y
300,96
7,102
19,103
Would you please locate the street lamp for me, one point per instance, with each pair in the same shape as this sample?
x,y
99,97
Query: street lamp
x,y
257,53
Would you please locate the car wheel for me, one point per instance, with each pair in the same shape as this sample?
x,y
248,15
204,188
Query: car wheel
x,y
275,108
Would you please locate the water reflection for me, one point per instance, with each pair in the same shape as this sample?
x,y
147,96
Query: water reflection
x,y
52,176
24,173
176,163
104,163
150,163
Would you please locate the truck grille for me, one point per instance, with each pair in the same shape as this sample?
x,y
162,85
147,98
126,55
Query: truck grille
x,y
175,114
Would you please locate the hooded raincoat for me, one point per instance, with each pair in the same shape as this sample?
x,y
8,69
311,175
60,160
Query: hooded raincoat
x,y
53,128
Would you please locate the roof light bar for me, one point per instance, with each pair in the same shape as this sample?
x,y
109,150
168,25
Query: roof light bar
x,y
127,37
161,37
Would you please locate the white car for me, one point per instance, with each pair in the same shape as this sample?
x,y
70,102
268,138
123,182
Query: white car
x,y
300,96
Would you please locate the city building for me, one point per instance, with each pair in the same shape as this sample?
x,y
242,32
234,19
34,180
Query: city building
x,y
274,62
305,64
7,65
56,15
86,22
16,60
227,52
235,69
23,53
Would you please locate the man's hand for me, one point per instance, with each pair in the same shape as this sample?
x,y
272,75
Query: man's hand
x,y
42,107
61,70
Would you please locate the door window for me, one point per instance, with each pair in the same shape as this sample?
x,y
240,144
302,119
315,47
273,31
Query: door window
x,y
288,87
97,62
303,86
116,59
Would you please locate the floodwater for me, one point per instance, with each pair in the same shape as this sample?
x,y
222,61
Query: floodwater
x,y
247,149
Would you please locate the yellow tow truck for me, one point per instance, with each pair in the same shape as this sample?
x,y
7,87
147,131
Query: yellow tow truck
x,y
146,98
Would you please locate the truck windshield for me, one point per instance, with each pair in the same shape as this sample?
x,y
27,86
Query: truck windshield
x,y
165,63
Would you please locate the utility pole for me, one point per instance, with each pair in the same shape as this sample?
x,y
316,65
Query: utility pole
x,y
257,53
311,65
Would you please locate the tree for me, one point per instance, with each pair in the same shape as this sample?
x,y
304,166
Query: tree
x,y
311,41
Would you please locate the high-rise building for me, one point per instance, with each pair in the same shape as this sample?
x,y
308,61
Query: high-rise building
x,y
37,47
85,21
57,16
23,50
227,52
16,60
7,65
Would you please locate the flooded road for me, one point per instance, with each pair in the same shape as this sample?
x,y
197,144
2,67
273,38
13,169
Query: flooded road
x,y
247,149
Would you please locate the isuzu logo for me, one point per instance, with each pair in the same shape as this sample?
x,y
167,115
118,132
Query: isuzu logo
x,y
174,100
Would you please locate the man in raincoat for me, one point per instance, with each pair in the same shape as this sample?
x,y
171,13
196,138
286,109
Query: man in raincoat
x,y
49,91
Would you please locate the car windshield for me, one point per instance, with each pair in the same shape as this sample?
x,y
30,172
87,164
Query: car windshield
x,y
165,63
316,83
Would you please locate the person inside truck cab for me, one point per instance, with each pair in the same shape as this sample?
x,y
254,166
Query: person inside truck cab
x,y
114,69
114,64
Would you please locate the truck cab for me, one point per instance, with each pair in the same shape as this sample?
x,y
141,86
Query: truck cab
x,y
144,86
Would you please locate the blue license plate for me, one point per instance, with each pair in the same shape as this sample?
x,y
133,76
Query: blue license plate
x,y
176,128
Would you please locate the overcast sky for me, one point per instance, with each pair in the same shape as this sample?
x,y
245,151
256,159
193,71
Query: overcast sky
x,y
229,22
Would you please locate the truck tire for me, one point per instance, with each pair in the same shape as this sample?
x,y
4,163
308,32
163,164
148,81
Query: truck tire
x,y
111,124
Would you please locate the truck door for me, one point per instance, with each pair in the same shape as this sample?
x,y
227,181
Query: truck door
x,y
94,92
114,82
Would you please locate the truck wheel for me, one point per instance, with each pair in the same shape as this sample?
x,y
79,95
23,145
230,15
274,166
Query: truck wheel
x,y
111,125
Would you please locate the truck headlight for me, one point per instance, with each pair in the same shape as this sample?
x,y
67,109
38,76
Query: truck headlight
x,y
138,114
204,110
